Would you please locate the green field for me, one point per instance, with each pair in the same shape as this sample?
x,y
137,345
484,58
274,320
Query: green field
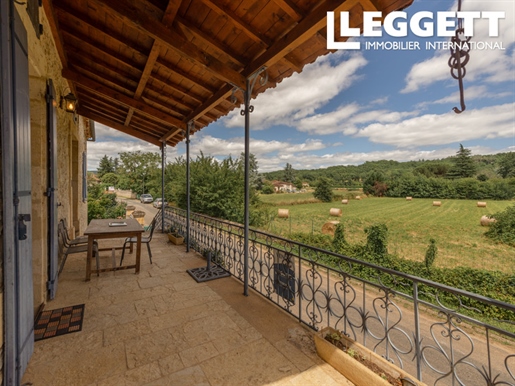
x,y
454,225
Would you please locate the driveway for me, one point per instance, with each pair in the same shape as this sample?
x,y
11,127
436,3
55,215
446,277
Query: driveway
x,y
150,211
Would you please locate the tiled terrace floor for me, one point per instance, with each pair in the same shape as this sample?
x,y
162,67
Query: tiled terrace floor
x,y
161,327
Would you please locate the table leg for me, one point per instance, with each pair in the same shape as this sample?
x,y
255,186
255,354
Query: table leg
x,y
138,252
89,257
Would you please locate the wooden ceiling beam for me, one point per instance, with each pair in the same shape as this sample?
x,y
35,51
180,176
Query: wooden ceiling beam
x,y
183,74
119,97
136,19
207,39
310,25
315,21
290,8
117,126
168,18
86,46
239,23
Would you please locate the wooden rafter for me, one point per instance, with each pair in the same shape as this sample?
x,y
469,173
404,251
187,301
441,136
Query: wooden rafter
x,y
290,8
121,98
168,18
136,19
149,67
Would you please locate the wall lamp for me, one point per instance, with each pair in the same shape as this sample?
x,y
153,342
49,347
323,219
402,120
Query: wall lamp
x,y
69,102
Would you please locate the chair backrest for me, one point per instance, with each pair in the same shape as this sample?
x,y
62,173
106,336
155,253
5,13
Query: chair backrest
x,y
152,226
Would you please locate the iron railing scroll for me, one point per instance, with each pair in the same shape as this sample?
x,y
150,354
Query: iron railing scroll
x,y
435,332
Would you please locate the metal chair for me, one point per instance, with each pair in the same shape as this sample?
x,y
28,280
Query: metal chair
x,y
144,240
66,249
68,241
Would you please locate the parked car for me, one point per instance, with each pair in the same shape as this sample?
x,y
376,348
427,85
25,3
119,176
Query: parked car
x,y
146,198
158,202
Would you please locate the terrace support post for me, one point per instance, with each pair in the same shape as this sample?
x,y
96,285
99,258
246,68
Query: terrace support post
x,y
163,165
247,95
190,127
247,111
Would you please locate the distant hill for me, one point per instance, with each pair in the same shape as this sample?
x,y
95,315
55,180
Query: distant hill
x,y
353,175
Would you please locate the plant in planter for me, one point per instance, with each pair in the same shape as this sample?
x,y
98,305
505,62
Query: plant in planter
x,y
357,363
174,236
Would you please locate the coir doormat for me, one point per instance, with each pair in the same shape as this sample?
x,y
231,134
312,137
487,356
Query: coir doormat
x,y
59,322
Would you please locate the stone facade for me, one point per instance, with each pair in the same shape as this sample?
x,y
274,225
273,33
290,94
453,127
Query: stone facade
x,y
44,64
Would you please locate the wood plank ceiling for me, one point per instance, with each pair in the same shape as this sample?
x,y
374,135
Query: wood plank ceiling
x,y
148,67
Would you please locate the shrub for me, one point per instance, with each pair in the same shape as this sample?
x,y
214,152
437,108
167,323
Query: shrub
x,y
339,241
431,253
323,190
377,240
503,229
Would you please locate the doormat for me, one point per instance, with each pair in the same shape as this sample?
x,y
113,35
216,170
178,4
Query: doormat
x,y
59,322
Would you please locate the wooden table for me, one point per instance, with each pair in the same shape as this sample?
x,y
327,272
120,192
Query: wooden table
x,y
107,229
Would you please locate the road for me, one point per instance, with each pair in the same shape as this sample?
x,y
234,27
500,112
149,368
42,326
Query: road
x,y
150,211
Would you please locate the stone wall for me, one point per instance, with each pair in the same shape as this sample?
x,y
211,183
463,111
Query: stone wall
x,y
44,64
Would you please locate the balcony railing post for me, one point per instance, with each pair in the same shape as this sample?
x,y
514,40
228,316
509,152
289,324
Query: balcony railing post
x,y
190,126
417,329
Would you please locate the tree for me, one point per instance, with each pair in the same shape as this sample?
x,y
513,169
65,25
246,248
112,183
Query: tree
x,y
216,188
255,181
506,167
464,165
374,183
289,175
110,179
106,165
267,188
323,190
140,172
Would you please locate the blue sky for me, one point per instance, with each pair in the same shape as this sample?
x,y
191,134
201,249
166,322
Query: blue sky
x,y
350,107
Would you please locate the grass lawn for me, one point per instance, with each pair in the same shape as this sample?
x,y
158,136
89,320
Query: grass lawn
x,y
455,227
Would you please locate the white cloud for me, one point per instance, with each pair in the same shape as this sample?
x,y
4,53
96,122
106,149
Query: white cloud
x,y
433,129
490,65
301,94
346,118
111,142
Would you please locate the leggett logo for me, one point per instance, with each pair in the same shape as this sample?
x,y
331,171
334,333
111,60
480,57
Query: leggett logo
x,y
421,24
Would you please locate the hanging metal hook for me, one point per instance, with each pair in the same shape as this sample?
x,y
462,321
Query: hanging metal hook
x,y
459,58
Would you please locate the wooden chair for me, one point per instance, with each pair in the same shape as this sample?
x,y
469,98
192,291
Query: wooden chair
x,y
145,239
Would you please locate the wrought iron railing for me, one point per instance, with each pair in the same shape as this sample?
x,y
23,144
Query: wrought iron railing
x,y
426,328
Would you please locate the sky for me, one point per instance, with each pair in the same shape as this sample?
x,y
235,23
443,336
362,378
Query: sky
x,y
370,104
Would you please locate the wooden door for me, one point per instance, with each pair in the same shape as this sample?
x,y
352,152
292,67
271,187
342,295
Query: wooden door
x,y
16,195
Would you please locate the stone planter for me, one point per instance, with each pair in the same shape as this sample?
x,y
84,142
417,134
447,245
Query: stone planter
x,y
175,239
354,370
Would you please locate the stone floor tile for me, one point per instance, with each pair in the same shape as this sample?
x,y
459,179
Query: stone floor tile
x,y
148,348
78,368
170,364
191,376
126,331
195,355
257,363
161,327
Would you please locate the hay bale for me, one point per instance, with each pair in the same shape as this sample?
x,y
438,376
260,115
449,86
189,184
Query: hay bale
x,y
486,221
345,201
437,203
481,204
358,197
329,227
335,212
283,213
409,198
